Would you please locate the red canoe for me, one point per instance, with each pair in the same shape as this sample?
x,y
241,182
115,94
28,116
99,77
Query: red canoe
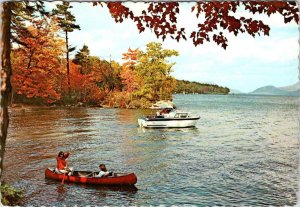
x,y
86,178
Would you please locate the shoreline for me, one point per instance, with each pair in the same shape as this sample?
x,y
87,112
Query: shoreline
x,y
105,106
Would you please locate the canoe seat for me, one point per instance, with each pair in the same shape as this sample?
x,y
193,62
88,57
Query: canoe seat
x,y
54,170
57,171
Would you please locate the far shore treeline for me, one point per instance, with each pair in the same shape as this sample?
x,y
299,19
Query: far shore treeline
x,y
44,74
193,87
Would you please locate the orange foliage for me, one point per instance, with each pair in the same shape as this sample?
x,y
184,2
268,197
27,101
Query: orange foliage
x,y
129,79
131,55
83,86
36,66
38,69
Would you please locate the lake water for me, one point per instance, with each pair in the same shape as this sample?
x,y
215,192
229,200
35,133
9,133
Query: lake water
x,y
243,151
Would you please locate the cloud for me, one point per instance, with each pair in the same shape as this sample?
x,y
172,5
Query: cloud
x,y
246,64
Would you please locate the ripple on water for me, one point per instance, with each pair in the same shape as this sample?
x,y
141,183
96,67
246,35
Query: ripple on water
x,y
243,151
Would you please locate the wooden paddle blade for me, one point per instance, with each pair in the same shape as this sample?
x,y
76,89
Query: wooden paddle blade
x,y
62,182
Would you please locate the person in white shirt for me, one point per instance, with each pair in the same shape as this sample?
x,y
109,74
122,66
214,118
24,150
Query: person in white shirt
x,y
103,172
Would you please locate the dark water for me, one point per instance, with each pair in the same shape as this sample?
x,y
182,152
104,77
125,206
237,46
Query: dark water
x,y
242,152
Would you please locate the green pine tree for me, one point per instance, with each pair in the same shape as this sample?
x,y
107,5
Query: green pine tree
x,y
82,58
21,13
66,21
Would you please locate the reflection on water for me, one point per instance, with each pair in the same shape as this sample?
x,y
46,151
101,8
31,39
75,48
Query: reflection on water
x,y
243,151
127,189
61,193
100,191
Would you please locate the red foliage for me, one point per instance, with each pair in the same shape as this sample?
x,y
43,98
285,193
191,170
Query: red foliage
x,y
36,67
161,18
129,80
83,86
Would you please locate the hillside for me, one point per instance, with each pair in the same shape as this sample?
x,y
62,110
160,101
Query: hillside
x,y
272,90
183,86
294,87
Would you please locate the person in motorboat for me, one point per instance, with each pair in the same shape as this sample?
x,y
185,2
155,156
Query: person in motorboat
x,y
61,164
166,110
103,172
160,114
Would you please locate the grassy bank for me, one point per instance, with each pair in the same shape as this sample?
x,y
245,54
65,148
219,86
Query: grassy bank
x,y
10,196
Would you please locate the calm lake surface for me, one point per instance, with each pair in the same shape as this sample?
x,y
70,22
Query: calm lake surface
x,y
243,151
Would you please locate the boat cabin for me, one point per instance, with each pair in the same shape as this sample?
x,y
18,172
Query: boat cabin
x,y
171,113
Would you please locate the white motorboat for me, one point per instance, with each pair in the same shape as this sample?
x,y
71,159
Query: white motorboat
x,y
169,118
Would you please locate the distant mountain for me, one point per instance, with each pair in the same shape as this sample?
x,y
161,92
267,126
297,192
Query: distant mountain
x,y
294,87
269,90
292,90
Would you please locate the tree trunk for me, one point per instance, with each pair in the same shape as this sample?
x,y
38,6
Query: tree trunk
x,y
68,68
12,98
30,59
5,77
298,194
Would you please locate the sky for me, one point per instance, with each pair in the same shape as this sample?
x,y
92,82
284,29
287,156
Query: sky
x,y
247,64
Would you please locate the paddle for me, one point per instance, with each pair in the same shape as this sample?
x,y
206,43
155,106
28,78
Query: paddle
x,y
64,157
62,182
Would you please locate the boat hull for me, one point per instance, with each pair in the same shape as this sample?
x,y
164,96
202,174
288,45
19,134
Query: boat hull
x,y
124,180
167,123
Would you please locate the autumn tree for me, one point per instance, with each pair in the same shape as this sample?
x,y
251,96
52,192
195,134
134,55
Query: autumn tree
x,y
36,66
84,88
82,59
146,76
99,72
125,81
128,76
23,13
156,70
66,21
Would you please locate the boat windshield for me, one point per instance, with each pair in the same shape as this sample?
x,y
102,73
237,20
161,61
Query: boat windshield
x,y
181,115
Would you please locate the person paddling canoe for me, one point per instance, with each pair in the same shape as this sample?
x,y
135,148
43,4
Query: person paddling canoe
x,y
61,163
